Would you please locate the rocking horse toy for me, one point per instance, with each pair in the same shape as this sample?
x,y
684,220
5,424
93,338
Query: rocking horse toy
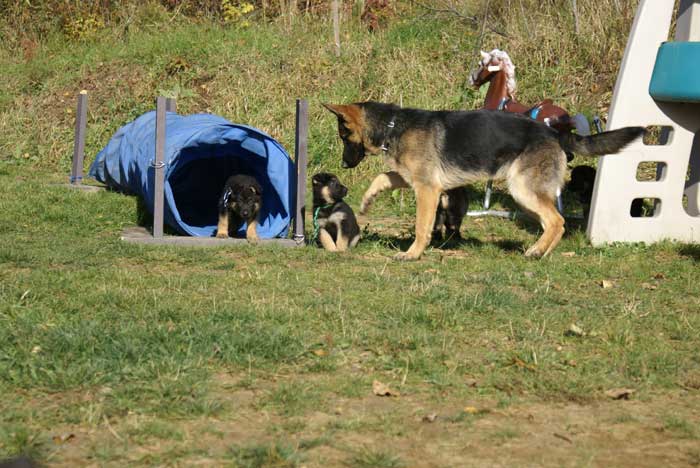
x,y
497,69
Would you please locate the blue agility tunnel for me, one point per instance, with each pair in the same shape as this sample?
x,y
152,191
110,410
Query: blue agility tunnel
x,y
201,152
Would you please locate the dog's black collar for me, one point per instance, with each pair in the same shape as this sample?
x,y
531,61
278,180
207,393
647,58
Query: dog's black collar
x,y
390,126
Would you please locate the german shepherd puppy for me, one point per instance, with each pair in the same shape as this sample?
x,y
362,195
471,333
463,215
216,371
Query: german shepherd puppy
x,y
450,212
334,219
582,183
435,151
239,203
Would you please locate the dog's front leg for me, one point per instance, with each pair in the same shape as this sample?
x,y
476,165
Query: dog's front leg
x,y
326,240
222,228
427,198
251,233
385,181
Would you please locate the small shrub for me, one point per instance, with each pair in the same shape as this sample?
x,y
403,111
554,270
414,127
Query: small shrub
x,y
234,12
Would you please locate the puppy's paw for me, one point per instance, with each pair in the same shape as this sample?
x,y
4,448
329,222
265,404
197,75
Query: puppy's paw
x,y
406,256
253,239
221,235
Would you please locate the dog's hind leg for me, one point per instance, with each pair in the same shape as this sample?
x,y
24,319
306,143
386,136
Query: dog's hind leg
x,y
342,242
326,240
534,189
385,181
427,198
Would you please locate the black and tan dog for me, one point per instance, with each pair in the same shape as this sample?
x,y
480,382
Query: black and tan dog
x,y
435,151
239,203
334,221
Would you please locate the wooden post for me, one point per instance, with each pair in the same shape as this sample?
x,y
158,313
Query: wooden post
x,y
575,9
159,168
336,27
300,156
76,175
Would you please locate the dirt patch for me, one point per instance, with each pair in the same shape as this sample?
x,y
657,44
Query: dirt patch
x,y
416,429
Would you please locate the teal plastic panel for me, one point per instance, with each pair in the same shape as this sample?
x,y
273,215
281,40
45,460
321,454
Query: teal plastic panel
x,y
676,76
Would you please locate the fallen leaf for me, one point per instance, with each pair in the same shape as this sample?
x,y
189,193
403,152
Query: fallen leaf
x,y
36,349
432,270
568,254
471,382
381,389
649,286
338,410
574,330
620,393
430,417
470,410
320,352
520,363
659,276
606,284
63,438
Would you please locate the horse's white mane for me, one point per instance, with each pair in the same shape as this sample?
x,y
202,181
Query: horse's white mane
x,y
508,68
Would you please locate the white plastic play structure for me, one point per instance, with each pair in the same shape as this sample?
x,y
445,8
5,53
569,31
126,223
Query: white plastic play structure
x,y
658,85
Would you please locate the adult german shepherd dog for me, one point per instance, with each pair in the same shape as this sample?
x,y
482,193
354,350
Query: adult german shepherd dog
x,y
435,151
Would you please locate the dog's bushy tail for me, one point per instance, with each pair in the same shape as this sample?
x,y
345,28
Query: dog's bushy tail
x,y
601,143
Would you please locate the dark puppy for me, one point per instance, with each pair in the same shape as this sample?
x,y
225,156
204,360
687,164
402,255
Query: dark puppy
x,y
239,203
450,212
334,220
435,151
582,183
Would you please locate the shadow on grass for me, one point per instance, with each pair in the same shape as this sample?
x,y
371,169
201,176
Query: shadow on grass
x,y
691,251
145,219
403,243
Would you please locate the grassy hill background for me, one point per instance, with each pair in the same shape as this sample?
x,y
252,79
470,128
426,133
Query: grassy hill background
x,y
126,53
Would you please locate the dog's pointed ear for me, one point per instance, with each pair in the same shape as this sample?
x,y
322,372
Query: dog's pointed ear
x,y
348,112
337,109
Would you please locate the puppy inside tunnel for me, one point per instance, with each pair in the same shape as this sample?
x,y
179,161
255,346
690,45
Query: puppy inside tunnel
x,y
201,152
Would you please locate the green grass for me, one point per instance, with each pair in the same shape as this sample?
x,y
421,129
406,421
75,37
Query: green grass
x,y
160,355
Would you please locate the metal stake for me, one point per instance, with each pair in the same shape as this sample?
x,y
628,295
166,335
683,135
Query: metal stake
x,y
76,175
159,168
300,156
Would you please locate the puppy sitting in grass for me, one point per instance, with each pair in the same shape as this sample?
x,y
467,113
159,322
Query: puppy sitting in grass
x,y
239,203
335,225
